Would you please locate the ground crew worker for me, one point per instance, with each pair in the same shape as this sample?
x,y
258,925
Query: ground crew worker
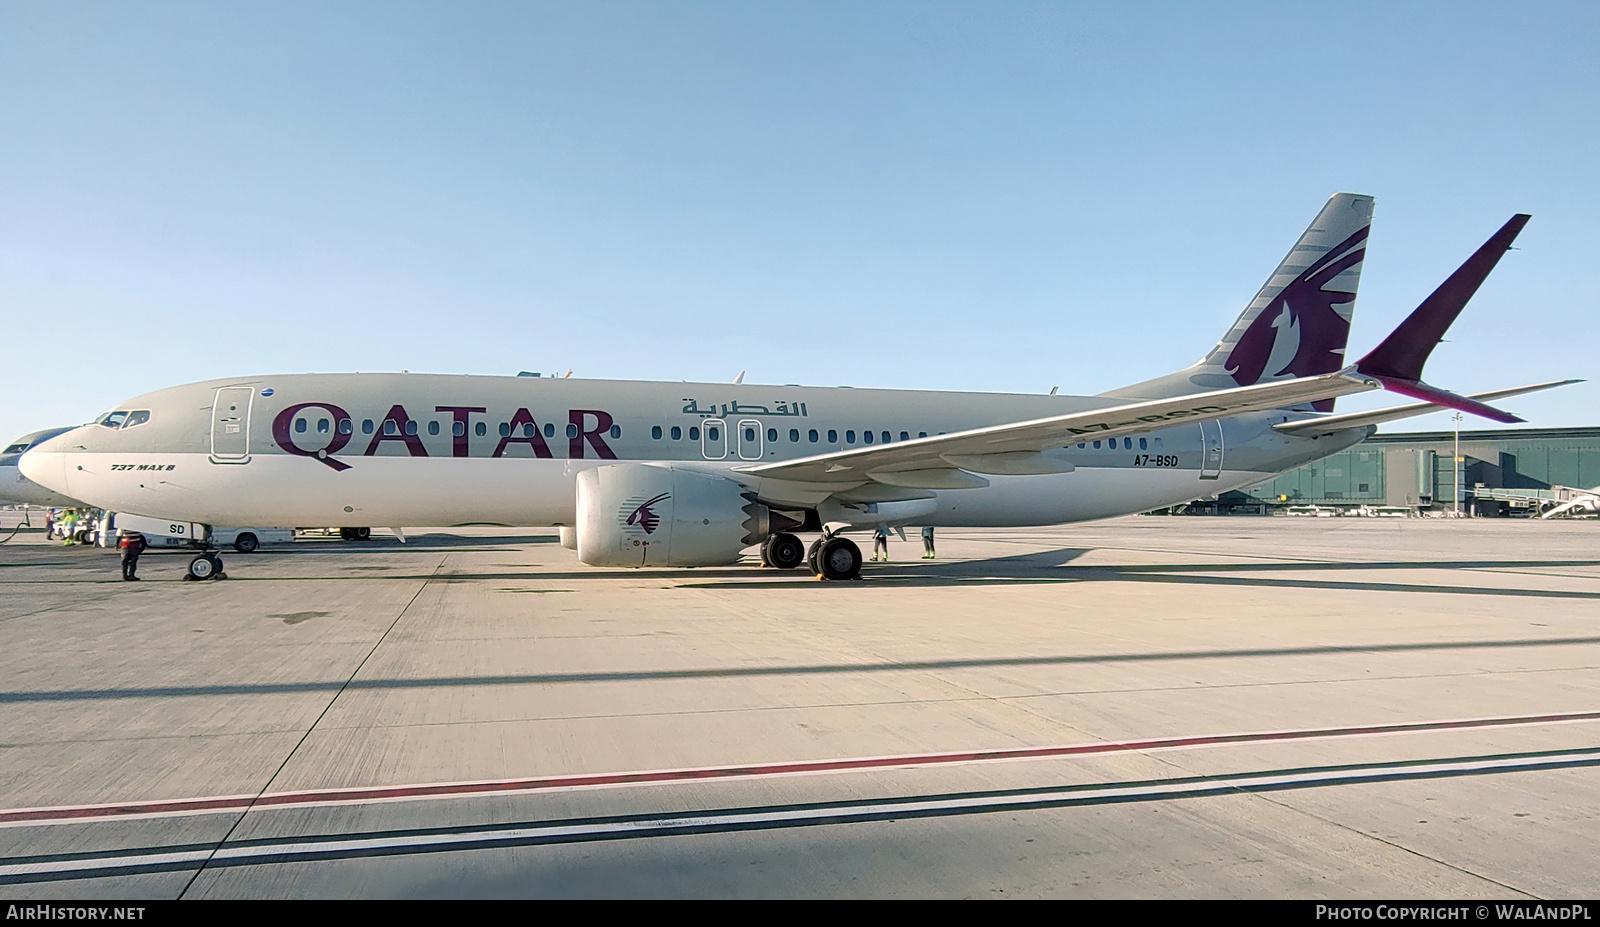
x,y
132,546
69,524
880,541
927,543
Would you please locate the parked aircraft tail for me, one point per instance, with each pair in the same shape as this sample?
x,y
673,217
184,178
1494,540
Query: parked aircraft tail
x,y
1298,323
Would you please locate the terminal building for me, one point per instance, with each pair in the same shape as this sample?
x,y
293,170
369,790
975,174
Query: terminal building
x,y
1415,471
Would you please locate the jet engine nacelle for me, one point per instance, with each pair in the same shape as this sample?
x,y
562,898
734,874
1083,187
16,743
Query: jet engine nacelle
x,y
638,515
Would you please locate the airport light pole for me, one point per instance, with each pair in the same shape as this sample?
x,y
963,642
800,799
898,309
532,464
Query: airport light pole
x,y
1455,464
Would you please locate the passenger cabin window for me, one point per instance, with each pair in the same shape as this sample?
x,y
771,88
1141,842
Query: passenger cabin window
x,y
812,436
346,426
411,428
459,429
366,426
528,429
772,434
390,427
833,436
850,436
616,431
794,436
866,436
300,425
323,426
505,429
1143,444
904,436
750,434
694,433
677,433
572,431
655,432
433,428
549,430
480,429
713,433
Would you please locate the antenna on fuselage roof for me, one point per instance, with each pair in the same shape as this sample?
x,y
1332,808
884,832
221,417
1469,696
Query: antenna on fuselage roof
x,y
1053,390
567,374
738,379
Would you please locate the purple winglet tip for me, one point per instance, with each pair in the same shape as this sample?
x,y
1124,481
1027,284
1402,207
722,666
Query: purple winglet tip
x,y
1417,389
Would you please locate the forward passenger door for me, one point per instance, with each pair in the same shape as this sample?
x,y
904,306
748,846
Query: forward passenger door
x,y
230,425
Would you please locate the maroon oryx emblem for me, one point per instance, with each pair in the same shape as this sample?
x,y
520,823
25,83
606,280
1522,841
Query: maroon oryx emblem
x,y
645,517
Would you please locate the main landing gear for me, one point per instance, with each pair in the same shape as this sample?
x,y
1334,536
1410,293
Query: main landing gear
x,y
206,566
784,551
830,556
835,558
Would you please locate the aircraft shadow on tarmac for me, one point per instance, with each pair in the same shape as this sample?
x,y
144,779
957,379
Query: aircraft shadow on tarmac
x,y
1041,567
1056,566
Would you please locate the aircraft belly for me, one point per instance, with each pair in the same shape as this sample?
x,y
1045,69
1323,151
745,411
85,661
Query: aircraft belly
x,y
1084,495
292,491
532,492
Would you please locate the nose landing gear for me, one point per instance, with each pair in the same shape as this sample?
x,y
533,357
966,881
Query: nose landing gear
x,y
206,566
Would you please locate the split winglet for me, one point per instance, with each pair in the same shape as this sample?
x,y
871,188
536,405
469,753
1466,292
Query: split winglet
x,y
1327,424
1397,362
1417,389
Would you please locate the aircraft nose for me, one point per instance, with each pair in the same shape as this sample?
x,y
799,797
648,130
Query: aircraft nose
x,y
46,467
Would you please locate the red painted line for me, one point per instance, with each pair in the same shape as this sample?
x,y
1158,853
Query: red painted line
x,y
358,795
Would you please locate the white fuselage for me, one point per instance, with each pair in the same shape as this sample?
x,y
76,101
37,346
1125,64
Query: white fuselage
x,y
410,449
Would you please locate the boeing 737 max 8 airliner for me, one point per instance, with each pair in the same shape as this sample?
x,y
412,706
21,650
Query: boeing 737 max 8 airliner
x,y
691,474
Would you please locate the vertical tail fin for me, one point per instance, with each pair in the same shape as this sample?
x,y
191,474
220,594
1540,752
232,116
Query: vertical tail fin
x,y
1299,321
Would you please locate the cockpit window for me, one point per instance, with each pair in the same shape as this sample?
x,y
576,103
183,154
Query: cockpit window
x,y
122,418
15,448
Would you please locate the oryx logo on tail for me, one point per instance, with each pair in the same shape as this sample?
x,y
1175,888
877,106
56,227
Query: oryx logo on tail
x,y
1302,332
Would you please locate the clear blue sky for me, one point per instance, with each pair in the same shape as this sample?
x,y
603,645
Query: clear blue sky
x,y
998,196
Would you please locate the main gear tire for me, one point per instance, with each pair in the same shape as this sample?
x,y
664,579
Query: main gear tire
x,y
783,551
839,558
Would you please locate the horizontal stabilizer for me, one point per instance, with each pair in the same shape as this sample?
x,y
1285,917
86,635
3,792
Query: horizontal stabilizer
x,y
1330,423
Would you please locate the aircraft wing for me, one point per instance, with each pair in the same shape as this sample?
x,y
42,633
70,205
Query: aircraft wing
x,y
1330,423
951,461
937,462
